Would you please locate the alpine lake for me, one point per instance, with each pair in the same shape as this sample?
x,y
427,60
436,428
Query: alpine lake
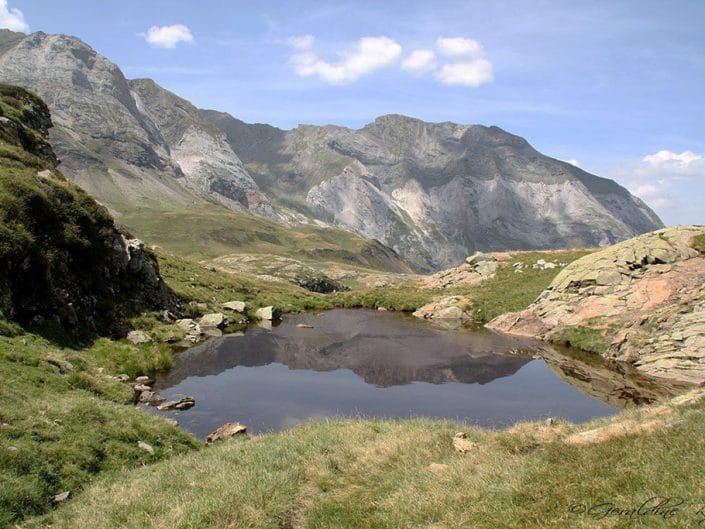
x,y
376,364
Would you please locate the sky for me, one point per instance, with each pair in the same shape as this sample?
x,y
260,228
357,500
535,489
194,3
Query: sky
x,y
615,87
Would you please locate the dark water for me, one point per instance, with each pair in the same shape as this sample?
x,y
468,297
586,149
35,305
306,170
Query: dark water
x,y
378,364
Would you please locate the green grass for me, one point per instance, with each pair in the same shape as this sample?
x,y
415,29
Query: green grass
x,y
62,421
194,282
509,291
586,338
406,298
375,474
212,231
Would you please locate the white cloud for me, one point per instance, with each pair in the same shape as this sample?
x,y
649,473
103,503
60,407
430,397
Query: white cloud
x,y
667,164
12,18
459,47
472,73
671,183
465,63
574,162
368,55
420,62
168,36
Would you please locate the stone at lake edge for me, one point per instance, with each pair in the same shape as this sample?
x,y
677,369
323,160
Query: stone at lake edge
x,y
213,320
229,429
270,313
181,404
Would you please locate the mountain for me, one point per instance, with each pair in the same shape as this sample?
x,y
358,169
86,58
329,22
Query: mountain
x,y
63,263
434,192
126,142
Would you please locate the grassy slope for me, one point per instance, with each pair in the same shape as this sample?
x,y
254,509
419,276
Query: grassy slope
x,y
213,231
62,425
375,474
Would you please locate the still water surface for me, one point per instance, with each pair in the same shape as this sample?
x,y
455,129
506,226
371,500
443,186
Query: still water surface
x,y
369,364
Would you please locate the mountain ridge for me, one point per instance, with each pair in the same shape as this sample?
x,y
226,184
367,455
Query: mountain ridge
x,y
433,192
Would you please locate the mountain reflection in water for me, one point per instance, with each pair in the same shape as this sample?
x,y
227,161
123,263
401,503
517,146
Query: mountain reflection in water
x,y
370,363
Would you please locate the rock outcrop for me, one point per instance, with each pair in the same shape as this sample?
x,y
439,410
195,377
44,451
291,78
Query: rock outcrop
x,y
62,260
644,297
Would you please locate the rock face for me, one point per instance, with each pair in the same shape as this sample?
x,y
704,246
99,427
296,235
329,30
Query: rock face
x,y
127,142
435,192
62,260
644,296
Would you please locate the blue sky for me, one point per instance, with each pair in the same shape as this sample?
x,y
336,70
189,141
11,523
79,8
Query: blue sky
x,y
616,86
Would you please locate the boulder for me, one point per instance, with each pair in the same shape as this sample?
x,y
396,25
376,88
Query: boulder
x,y
644,298
151,397
479,257
235,306
63,496
229,429
486,268
451,310
213,320
269,313
181,404
138,337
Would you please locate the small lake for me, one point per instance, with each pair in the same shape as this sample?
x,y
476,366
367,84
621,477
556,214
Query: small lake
x,y
362,363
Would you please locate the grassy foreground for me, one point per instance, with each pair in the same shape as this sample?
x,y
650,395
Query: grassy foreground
x,y
63,421
400,474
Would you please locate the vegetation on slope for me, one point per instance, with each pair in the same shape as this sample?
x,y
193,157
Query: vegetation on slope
x,y
63,421
63,264
510,291
212,231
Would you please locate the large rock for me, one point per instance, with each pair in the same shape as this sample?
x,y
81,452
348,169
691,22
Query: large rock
x,y
269,313
183,403
236,306
645,296
138,337
451,311
215,320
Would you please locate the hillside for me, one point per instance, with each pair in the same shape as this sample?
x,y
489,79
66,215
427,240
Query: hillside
x,y
64,263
